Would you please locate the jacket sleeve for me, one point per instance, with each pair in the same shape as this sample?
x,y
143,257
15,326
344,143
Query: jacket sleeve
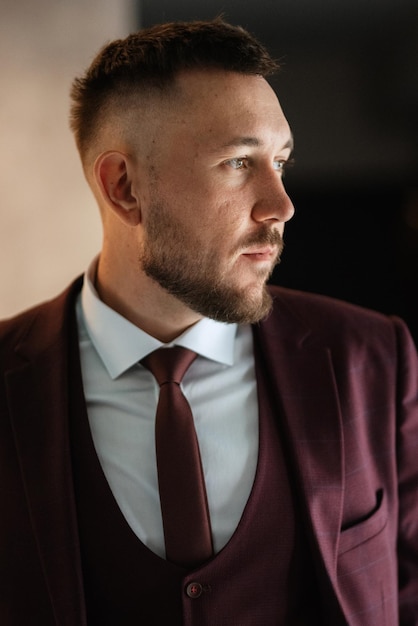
x,y
407,460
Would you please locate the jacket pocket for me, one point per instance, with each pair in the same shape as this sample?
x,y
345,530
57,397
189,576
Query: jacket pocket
x,y
367,570
367,527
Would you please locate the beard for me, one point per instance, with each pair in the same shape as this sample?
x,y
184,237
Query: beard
x,y
177,262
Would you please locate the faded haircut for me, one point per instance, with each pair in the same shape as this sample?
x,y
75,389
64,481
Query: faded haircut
x,y
148,61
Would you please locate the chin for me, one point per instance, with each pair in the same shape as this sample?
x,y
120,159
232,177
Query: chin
x,y
253,290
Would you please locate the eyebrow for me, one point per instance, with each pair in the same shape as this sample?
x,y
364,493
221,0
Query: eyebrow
x,y
253,142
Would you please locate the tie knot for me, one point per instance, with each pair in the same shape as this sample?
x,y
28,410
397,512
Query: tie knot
x,y
169,365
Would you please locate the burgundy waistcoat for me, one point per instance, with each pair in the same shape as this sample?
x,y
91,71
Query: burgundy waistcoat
x,y
262,577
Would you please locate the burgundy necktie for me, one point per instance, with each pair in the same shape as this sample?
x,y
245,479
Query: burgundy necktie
x,y
187,533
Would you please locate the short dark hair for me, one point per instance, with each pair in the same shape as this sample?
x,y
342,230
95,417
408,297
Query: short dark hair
x,y
150,59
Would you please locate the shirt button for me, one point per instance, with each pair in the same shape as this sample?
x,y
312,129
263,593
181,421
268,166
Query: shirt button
x,y
194,590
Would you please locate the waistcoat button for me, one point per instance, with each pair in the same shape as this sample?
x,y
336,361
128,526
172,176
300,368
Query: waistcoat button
x,y
194,590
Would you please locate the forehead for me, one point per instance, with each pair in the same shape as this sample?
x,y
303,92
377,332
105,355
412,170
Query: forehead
x,y
216,105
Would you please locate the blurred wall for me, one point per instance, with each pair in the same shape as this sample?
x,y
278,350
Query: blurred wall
x,y
49,224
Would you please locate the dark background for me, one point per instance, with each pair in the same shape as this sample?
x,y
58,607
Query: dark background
x,y
349,88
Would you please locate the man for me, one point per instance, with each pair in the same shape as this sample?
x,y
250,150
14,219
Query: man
x,y
305,408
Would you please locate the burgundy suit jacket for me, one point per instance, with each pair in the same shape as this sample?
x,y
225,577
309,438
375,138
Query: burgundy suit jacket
x,y
346,390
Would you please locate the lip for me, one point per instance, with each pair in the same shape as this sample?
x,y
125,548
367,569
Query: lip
x,y
261,254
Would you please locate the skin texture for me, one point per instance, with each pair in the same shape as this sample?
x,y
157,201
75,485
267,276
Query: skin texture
x,y
193,204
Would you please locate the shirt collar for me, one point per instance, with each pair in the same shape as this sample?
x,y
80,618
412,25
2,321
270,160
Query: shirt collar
x,y
120,344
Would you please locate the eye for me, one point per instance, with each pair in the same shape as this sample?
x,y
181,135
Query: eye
x,y
279,165
238,163
282,165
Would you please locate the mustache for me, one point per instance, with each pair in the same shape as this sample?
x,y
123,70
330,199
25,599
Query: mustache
x,y
263,237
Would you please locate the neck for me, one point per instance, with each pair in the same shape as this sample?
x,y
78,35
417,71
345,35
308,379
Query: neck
x,y
142,301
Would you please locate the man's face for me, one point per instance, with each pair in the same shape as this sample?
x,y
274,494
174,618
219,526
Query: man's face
x,y
213,224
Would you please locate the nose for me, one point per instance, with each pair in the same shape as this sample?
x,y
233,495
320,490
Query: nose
x,y
273,202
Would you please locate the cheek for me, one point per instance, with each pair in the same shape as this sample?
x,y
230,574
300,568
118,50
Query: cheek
x,y
232,216
209,214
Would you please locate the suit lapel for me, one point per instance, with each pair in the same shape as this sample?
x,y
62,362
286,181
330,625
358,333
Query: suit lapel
x,y
38,400
302,378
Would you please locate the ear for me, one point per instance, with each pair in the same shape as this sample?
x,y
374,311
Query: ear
x,y
111,172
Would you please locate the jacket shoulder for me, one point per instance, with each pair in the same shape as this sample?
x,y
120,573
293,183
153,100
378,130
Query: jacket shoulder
x,y
43,320
332,319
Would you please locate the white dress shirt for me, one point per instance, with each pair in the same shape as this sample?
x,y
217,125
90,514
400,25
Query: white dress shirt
x,y
122,397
